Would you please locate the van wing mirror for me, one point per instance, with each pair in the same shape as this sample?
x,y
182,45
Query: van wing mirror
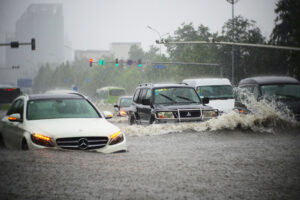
x,y
16,117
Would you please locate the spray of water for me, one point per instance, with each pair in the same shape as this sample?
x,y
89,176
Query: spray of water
x,y
266,116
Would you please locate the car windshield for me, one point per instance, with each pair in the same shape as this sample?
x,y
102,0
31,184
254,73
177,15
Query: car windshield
x,y
281,91
125,102
60,108
176,95
215,91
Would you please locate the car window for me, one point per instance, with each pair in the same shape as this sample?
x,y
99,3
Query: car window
x,y
256,92
148,94
16,107
60,108
215,91
243,92
142,95
136,95
125,102
281,91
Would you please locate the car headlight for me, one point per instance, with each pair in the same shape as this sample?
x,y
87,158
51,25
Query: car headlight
x,y
123,113
163,115
42,140
209,113
116,138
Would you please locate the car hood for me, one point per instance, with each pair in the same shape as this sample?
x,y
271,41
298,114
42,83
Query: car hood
x,y
223,105
180,106
59,128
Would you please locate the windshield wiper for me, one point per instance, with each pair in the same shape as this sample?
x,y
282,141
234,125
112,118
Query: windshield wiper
x,y
191,101
169,98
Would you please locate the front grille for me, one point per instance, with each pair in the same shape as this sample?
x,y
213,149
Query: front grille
x,y
82,143
189,113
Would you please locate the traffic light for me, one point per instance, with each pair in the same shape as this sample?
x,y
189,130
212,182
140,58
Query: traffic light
x,y
117,62
91,62
32,44
101,62
14,44
140,62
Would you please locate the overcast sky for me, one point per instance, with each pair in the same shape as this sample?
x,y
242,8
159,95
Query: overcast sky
x,y
94,24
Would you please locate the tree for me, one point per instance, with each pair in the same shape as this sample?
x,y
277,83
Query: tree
x,y
248,60
287,32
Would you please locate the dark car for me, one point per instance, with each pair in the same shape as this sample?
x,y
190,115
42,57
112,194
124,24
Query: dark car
x,y
8,93
123,105
282,89
155,103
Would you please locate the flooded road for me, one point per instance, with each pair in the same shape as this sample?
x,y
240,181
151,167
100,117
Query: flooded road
x,y
255,156
186,165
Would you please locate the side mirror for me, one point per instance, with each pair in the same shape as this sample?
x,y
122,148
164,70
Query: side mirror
x,y
205,100
16,117
146,101
107,114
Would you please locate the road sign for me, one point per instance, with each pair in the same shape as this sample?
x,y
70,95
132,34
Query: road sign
x,y
25,83
129,62
159,66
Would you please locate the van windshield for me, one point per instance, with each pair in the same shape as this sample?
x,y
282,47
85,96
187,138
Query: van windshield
x,y
116,92
215,91
281,91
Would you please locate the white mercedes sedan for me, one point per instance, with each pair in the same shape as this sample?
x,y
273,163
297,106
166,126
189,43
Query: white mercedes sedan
x,y
61,121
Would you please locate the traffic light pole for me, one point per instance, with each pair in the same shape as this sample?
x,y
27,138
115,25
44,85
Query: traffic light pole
x,y
16,44
233,43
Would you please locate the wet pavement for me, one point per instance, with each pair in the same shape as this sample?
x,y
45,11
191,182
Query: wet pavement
x,y
186,165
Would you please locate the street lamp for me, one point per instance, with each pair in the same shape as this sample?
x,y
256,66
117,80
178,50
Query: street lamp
x,y
159,35
232,2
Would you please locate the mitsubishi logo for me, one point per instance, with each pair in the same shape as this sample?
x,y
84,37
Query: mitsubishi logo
x,y
83,144
188,114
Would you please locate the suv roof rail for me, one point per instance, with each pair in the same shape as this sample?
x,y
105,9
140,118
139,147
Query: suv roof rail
x,y
146,84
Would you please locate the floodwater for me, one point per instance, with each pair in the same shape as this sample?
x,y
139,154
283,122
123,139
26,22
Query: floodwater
x,y
234,156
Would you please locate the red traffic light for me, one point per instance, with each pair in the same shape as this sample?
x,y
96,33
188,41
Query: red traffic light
x,y
91,62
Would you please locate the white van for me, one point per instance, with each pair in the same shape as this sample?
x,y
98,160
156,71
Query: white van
x,y
218,90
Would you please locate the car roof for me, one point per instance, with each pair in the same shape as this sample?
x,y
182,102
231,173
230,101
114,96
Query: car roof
x,y
55,96
207,81
160,85
261,80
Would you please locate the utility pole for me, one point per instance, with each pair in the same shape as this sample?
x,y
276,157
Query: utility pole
x,y
159,35
232,2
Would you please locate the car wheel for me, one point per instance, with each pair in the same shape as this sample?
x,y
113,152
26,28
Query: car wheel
x,y
131,119
24,145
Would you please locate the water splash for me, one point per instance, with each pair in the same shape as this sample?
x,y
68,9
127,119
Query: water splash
x,y
266,116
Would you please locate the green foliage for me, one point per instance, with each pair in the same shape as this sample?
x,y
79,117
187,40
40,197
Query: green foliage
x,y
287,32
249,61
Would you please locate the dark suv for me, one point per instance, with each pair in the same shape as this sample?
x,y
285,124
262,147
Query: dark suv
x,y
155,103
282,89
